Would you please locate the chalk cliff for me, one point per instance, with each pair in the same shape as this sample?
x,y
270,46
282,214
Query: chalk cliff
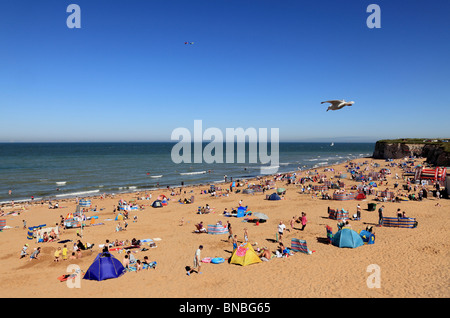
x,y
436,154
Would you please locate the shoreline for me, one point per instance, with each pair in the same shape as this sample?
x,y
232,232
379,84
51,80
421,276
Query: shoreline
x,y
99,193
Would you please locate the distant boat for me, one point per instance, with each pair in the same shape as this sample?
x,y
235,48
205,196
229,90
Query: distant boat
x,y
332,144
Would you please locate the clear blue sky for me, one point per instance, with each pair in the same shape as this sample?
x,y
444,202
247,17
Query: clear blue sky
x,y
127,75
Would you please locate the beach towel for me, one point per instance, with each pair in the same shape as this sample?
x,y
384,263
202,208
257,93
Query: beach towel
x,y
300,246
64,241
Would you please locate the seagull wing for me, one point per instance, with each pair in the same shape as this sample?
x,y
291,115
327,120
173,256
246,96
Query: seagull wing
x,y
334,102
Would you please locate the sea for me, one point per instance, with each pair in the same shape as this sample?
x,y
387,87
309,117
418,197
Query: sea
x,y
67,170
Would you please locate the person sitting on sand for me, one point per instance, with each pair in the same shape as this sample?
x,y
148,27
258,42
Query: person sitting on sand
x,y
265,255
52,236
126,262
201,228
138,266
131,258
135,242
146,264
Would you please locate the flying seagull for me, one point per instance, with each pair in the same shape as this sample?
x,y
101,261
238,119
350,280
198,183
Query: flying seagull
x,y
337,104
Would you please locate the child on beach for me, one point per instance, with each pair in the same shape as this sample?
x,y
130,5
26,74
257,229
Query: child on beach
x,y
292,222
35,253
235,242
24,253
64,252
303,220
230,232
57,254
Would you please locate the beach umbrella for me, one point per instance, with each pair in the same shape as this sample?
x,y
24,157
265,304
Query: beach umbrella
x,y
281,190
260,216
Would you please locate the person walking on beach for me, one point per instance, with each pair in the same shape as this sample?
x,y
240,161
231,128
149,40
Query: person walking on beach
x,y
245,235
304,221
281,228
230,232
380,215
197,261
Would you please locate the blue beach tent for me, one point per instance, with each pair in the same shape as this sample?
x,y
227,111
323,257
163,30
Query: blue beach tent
x,y
367,237
105,266
274,196
241,211
347,238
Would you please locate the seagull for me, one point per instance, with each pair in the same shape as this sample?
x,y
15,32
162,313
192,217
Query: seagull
x,y
337,104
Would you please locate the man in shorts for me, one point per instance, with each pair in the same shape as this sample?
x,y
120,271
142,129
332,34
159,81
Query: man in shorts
x,y
197,261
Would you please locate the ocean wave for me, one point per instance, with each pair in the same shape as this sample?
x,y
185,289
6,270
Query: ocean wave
x,y
268,167
61,183
191,173
81,193
156,176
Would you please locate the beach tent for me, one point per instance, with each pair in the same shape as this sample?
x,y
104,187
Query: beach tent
x,y
273,197
347,238
244,255
157,204
360,196
367,237
119,217
241,211
105,266
281,190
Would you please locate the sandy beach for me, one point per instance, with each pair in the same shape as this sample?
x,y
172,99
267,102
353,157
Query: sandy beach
x,y
412,262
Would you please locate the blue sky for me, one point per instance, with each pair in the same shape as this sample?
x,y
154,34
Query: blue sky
x,y
127,75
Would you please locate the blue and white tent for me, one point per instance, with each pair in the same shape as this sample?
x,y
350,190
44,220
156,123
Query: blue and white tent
x,y
347,238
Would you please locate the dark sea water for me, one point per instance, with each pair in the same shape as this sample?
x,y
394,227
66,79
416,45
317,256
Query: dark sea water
x,y
61,170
